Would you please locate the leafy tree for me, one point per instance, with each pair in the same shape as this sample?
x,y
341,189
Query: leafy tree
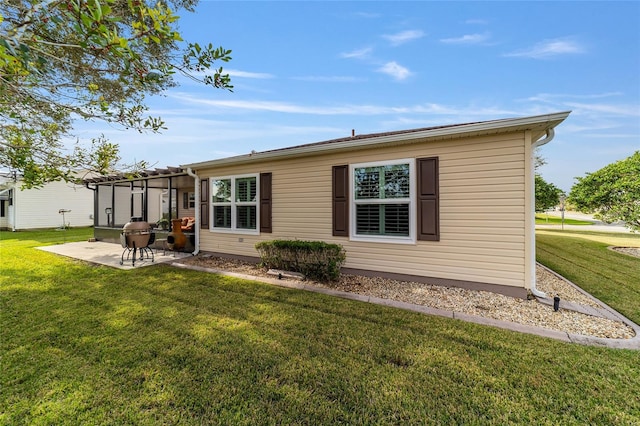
x,y
547,194
63,60
612,193
538,159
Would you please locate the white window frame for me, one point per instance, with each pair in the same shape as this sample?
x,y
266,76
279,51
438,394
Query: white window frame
x,y
234,205
411,200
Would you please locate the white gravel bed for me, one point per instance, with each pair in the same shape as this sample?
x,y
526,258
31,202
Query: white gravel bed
x,y
479,303
550,284
631,251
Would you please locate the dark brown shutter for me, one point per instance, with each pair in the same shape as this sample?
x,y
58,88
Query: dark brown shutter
x,y
265,203
340,192
204,204
428,200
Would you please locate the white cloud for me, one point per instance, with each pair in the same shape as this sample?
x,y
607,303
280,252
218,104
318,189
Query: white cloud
x,y
367,15
476,22
281,107
583,105
329,79
467,39
347,109
203,107
247,74
395,70
626,110
357,54
554,97
622,148
550,48
403,37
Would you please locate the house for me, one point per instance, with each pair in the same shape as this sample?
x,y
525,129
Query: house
x,y
450,205
39,208
156,196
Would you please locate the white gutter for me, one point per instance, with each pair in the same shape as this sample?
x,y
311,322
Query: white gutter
x,y
13,208
196,228
550,135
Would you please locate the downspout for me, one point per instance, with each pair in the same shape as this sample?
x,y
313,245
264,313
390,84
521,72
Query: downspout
x,y
550,135
197,200
6,191
14,204
95,206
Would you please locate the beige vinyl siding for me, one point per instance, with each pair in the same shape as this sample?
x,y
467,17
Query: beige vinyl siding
x,y
482,210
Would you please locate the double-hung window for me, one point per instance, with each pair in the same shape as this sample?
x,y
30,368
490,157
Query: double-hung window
x,y
235,203
383,201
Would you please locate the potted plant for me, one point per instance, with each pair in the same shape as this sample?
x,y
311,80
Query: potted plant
x,y
163,224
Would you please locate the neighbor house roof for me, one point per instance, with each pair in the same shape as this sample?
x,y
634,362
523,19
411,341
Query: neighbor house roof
x,y
538,125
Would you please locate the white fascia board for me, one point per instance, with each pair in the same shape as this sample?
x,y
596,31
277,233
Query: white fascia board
x,y
538,123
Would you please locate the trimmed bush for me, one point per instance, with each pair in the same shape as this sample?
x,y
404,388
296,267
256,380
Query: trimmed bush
x,y
317,260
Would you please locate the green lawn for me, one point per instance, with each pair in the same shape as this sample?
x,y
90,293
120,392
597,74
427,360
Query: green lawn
x,y
84,344
584,258
545,219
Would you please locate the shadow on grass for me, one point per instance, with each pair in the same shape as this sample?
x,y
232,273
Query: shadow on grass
x,y
166,345
584,258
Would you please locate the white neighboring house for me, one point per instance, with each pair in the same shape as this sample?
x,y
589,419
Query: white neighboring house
x,y
41,208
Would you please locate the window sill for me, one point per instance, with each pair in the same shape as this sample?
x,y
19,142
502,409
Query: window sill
x,y
382,239
234,231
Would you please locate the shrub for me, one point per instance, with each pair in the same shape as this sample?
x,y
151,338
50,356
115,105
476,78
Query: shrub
x,y
317,260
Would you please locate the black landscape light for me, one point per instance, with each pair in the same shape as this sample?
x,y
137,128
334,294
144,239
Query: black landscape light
x,y
556,303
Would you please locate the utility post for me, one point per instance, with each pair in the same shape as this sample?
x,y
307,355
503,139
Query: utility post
x,y
64,225
563,198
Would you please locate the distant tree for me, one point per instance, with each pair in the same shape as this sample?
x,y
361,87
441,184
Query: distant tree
x,y
547,194
63,60
538,159
612,193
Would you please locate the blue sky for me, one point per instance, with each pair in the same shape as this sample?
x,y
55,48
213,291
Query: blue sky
x,y
312,71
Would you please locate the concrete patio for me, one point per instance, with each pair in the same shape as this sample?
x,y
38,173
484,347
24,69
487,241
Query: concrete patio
x,y
109,254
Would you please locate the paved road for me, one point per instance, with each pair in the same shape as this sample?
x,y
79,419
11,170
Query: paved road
x,y
597,224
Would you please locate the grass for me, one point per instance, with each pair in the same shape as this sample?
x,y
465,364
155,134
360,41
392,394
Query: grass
x,y
545,219
584,258
84,344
